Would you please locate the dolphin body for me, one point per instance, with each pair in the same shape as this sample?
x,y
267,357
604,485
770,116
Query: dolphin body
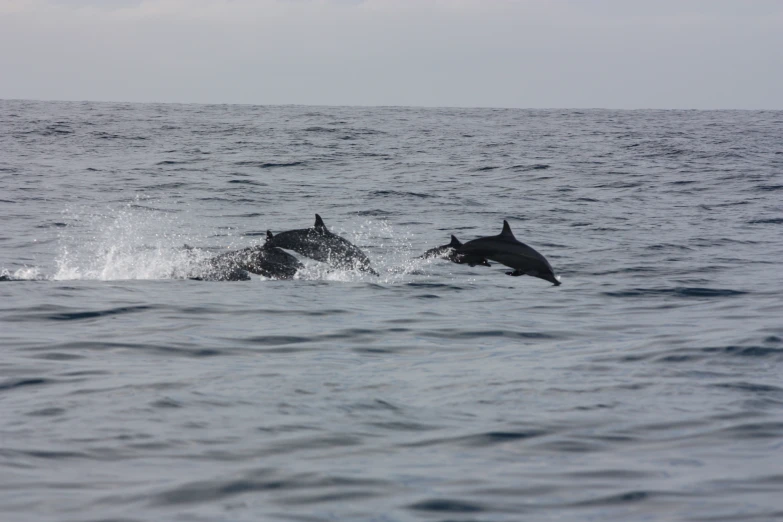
x,y
264,260
507,250
320,244
451,252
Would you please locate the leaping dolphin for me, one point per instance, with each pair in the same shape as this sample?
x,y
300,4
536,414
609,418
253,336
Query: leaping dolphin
x,y
507,250
451,252
264,260
320,244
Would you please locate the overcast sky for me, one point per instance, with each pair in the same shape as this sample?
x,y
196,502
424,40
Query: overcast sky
x,y
700,54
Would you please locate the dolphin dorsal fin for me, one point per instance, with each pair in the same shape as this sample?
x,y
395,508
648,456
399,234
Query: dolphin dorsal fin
x,y
455,242
269,235
319,224
506,230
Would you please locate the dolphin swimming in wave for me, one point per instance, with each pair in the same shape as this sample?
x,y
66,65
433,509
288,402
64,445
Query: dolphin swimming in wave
x,y
507,250
264,260
317,242
451,252
320,244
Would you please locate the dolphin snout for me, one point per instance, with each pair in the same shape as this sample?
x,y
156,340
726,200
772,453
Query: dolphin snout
x,y
552,279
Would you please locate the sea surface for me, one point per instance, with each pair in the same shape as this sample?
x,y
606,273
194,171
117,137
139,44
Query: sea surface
x,y
648,387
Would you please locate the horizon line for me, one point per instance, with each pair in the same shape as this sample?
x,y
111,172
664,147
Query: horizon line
x,y
398,106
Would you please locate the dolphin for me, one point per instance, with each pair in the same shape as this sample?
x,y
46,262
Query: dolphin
x,y
507,250
320,244
451,253
219,272
264,260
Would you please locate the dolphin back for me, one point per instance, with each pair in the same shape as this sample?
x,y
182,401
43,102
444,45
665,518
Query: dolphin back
x,y
263,260
322,245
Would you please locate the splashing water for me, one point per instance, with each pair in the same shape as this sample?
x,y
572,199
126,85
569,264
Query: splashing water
x,y
125,243
26,273
136,242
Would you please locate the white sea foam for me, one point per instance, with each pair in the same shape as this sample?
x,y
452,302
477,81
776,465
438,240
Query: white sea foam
x,y
135,242
125,243
26,273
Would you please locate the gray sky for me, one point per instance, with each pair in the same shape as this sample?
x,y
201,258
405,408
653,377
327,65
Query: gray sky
x,y
700,54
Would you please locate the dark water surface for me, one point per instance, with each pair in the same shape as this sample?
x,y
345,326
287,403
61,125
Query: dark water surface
x,y
646,387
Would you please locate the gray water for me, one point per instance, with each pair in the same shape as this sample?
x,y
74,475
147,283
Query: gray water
x,y
646,387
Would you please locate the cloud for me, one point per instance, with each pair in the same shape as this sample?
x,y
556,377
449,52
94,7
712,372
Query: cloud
x,y
522,53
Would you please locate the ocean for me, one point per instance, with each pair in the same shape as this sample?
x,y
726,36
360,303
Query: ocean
x,y
647,387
